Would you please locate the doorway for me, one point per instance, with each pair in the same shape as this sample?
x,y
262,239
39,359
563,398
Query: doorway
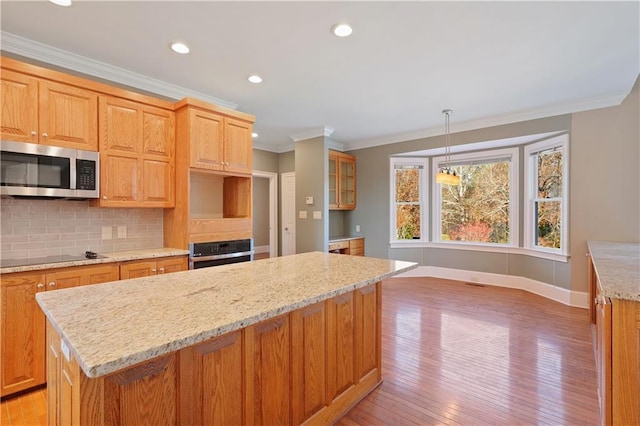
x,y
265,213
288,213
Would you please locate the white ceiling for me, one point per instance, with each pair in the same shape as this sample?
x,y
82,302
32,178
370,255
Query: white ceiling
x,y
491,62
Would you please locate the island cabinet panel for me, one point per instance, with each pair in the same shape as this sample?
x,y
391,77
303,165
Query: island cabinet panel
x,y
309,368
212,382
268,366
625,334
340,345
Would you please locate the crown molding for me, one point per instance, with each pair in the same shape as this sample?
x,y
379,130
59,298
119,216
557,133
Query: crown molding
x,y
497,120
334,145
62,58
313,133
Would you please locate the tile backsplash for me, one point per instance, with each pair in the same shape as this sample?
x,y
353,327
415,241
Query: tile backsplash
x,y
38,228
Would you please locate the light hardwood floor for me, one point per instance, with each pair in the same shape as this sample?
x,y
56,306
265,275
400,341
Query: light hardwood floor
x,y
460,354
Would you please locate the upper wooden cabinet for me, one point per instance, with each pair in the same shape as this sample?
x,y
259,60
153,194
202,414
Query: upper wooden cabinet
x,y
342,181
40,111
137,160
218,142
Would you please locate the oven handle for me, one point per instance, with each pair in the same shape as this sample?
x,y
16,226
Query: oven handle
x,y
220,256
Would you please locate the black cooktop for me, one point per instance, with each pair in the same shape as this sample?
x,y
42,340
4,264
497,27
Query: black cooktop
x,y
10,263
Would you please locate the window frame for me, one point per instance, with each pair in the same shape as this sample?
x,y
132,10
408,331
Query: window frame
x,y
530,193
424,201
514,189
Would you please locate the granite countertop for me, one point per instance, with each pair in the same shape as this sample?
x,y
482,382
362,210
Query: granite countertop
x,y
618,268
119,256
343,238
115,325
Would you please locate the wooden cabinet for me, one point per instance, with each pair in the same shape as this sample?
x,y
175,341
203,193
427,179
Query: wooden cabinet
x,y
219,143
307,366
617,353
52,113
137,159
144,268
342,181
353,247
23,323
213,176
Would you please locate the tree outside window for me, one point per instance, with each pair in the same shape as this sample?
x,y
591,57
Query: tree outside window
x,y
408,186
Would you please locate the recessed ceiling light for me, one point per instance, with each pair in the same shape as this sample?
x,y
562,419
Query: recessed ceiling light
x,y
61,2
180,48
341,30
254,135
255,79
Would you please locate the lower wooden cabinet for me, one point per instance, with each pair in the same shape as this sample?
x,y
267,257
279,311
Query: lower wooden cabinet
x,y
311,365
23,323
353,247
617,353
144,268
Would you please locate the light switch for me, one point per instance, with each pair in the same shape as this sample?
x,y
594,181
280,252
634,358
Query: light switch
x,y
317,214
357,228
302,214
107,233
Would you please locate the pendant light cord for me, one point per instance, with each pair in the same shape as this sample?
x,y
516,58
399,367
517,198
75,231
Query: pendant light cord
x,y
447,149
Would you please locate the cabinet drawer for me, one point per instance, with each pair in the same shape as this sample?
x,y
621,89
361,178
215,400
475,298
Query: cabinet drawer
x,y
339,245
356,244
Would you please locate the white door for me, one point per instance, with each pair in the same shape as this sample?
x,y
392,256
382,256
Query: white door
x,y
288,213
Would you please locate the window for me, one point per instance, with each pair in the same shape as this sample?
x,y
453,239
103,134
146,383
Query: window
x,y
409,202
483,209
546,212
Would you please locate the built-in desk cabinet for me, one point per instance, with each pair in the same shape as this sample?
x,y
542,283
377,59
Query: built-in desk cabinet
x,y
36,110
23,323
617,353
342,181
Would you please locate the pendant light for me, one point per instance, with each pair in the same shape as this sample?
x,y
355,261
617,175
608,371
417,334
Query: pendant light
x,y
446,175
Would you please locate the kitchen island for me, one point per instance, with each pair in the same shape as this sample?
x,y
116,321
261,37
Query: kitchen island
x,y
279,341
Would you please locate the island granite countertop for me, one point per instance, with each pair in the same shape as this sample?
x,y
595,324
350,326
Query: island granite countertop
x,y
618,268
111,326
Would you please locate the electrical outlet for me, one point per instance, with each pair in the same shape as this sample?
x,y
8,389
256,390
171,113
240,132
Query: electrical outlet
x,y
122,232
107,233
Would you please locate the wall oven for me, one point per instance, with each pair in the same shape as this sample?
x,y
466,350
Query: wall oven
x,y
34,170
206,255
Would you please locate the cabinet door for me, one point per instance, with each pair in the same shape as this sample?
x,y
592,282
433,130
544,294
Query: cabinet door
x,y
19,118
81,275
308,361
23,333
172,264
158,157
138,269
120,152
237,146
268,366
207,135
340,345
68,116
367,331
347,183
333,181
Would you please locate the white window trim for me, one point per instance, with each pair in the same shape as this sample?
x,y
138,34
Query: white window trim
x,y
561,141
424,202
514,230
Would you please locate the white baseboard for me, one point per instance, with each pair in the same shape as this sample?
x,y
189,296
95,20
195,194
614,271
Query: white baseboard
x,y
568,297
261,249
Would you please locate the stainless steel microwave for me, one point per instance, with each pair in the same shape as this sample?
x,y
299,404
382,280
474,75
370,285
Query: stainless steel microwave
x,y
34,170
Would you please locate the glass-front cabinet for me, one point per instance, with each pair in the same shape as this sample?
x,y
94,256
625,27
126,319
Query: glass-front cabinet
x,y
342,181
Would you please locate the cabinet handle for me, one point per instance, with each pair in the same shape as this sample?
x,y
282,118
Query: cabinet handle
x,y
154,270
45,135
104,197
40,285
52,284
34,133
162,270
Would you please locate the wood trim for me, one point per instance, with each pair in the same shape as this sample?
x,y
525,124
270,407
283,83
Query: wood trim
x,y
83,83
205,106
625,367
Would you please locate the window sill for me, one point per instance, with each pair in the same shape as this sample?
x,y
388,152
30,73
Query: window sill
x,y
484,248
